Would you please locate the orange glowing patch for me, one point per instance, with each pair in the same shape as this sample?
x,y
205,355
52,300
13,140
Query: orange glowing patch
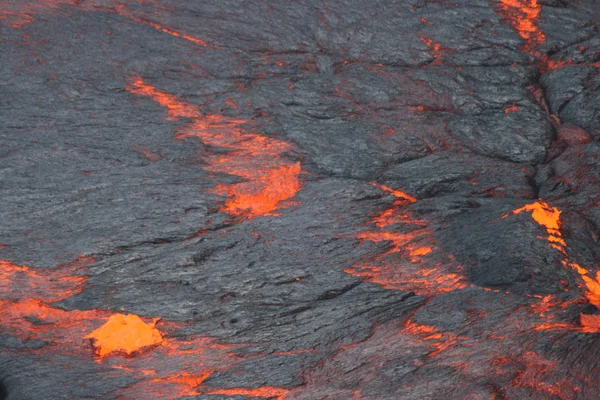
x,y
269,177
42,284
173,386
399,240
593,288
549,218
543,214
511,109
397,193
590,323
26,295
172,32
264,392
174,107
432,280
262,194
524,15
420,251
430,336
410,272
434,47
173,370
124,333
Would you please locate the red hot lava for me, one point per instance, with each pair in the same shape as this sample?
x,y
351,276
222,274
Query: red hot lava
x,y
409,262
269,177
549,217
524,16
132,346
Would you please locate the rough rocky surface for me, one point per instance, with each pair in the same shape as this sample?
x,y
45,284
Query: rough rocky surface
x,y
299,199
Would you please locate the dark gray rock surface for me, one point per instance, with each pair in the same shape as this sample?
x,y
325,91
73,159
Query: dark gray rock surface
x,y
302,199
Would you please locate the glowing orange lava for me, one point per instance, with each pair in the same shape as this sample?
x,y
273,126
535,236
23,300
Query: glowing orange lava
x,y
25,300
549,217
175,108
430,336
404,266
265,392
269,178
421,251
169,369
25,297
171,31
124,333
524,15
47,285
397,193
434,47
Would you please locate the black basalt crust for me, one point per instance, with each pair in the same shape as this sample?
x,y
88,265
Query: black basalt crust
x,y
299,200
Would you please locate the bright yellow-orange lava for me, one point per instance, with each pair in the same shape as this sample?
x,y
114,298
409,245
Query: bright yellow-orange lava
x,y
421,251
263,191
269,177
124,333
543,214
524,15
549,218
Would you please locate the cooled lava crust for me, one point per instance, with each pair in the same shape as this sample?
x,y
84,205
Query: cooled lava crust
x,y
299,199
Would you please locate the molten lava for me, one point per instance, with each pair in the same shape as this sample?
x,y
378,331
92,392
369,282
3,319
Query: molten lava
x,y
265,392
48,285
169,369
124,333
549,217
524,15
25,309
408,263
269,177
434,47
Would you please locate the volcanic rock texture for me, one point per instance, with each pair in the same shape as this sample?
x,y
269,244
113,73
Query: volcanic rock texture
x,y
302,199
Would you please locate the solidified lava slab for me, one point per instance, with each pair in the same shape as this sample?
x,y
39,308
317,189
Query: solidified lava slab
x,y
300,199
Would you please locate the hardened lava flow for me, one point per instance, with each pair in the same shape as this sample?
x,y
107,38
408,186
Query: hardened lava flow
x,y
300,200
